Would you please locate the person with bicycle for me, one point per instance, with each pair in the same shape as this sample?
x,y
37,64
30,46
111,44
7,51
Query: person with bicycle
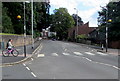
x,y
9,44
10,49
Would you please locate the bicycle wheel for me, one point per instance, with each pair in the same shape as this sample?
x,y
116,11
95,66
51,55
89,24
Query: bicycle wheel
x,y
5,53
15,53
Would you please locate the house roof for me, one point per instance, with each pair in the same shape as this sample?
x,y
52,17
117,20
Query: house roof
x,y
85,29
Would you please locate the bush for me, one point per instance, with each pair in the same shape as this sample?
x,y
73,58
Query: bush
x,y
81,38
37,34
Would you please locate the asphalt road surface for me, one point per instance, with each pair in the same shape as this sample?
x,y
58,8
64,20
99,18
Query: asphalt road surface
x,y
63,60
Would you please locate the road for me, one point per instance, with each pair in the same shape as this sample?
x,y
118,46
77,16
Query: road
x,y
63,60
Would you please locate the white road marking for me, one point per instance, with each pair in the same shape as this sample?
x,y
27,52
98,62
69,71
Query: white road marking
x,y
54,54
24,64
101,53
77,53
89,53
65,49
18,49
87,58
32,59
66,54
41,55
27,68
99,62
33,74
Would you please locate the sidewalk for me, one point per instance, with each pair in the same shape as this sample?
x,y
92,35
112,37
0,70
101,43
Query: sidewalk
x,y
29,51
109,50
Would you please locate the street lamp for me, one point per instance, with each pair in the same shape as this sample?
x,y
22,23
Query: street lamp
x,y
25,29
77,22
32,22
107,21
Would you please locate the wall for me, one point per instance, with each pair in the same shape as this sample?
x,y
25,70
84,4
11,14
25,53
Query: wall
x,y
18,40
114,44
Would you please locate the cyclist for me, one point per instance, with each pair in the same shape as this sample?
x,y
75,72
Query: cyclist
x,y
9,44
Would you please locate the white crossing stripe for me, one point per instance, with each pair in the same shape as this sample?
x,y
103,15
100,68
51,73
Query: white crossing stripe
x,y
89,53
66,54
101,53
77,53
28,68
41,55
54,54
32,59
24,64
65,49
33,74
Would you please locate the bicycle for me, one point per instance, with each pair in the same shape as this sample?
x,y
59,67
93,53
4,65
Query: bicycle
x,y
7,52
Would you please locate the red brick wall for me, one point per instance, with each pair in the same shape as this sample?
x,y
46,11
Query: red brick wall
x,y
114,44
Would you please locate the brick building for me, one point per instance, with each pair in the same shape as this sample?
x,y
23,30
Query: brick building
x,y
83,29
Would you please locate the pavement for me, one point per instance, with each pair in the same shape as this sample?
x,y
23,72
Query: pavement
x,y
109,50
21,55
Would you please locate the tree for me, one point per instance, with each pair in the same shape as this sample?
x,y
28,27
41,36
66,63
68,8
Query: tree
x,y
112,11
14,9
61,22
6,22
40,19
80,22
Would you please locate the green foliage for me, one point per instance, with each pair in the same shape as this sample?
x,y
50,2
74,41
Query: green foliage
x,y
13,25
61,22
6,22
112,12
80,22
7,34
82,36
36,34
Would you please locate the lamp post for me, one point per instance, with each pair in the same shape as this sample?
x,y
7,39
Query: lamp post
x,y
107,21
77,22
25,29
32,22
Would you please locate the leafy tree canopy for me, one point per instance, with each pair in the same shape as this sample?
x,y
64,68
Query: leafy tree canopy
x,y
61,22
111,11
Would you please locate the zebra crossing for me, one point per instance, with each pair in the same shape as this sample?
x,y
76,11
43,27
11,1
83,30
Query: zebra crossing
x,y
75,53
90,53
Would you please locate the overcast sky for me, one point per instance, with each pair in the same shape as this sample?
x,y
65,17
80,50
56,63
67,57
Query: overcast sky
x,y
87,9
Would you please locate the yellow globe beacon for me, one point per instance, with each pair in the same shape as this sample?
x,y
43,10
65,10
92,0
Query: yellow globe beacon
x,y
18,17
110,20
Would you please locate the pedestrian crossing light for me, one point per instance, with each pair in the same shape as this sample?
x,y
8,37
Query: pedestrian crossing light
x,y
18,17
